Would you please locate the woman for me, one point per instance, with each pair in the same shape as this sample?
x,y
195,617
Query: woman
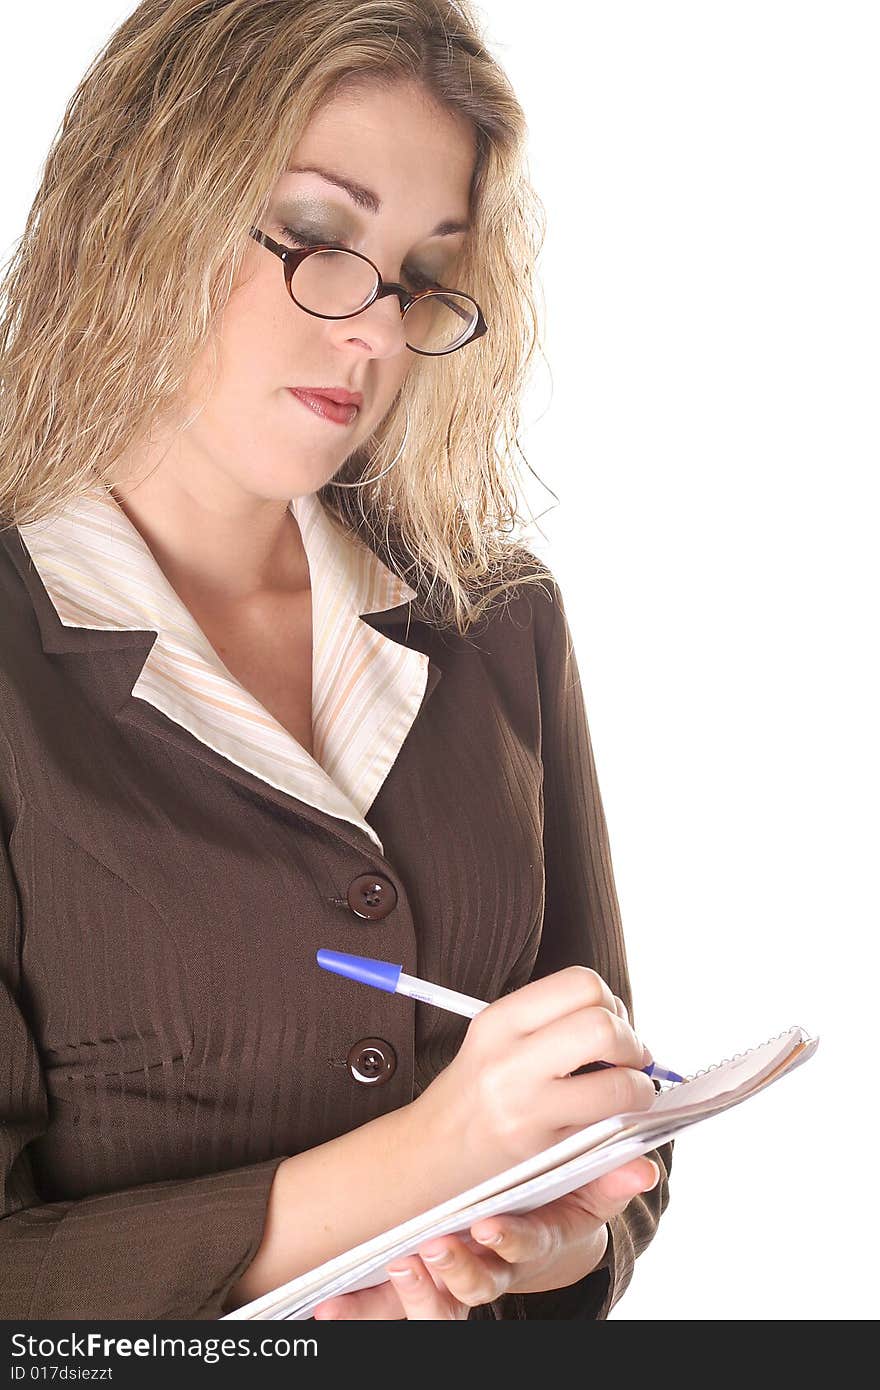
x,y
274,680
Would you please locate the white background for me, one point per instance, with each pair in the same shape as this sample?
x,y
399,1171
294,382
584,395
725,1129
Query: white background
x,y
711,279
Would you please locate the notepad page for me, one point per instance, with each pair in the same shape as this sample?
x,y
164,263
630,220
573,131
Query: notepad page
x,y
548,1185
605,1144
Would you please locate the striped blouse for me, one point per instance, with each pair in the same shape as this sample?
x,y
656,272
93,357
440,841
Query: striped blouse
x,y
367,689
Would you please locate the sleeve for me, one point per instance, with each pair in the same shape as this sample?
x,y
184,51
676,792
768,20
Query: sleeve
x,y
170,1249
581,926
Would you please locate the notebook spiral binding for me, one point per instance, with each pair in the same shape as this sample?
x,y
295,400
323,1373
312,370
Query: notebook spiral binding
x,y
738,1056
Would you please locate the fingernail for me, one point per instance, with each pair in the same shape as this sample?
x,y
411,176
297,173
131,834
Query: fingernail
x,y
402,1273
442,1258
494,1239
647,1057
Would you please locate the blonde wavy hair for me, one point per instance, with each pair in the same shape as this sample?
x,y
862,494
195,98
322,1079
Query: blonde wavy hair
x,y
185,120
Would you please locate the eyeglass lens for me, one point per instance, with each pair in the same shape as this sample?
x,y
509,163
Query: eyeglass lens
x,y
337,283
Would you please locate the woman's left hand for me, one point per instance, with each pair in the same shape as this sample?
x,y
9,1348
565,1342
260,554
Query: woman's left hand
x,y
548,1248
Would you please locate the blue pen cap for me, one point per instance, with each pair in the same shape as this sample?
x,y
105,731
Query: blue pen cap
x,y
379,973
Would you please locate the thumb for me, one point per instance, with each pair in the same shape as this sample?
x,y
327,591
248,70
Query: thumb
x,y
617,1188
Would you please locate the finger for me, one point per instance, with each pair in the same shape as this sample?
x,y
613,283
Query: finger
x,y
623,1183
542,1001
471,1275
518,1239
420,1296
622,1009
373,1304
588,1035
573,1102
448,1242
607,1196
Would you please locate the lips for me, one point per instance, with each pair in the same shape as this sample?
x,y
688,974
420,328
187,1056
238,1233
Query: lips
x,y
333,393
333,403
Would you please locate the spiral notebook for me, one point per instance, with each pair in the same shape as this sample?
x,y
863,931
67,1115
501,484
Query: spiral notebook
x,y
546,1175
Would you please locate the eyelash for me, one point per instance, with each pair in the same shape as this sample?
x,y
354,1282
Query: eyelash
x,y
302,240
419,282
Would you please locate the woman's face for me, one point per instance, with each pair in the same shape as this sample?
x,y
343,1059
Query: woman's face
x,y
415,162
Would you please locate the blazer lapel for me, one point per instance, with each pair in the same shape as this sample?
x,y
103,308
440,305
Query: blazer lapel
x,y
128,652
142,715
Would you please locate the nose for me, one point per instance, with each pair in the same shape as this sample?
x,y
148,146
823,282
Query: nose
x,y
378,330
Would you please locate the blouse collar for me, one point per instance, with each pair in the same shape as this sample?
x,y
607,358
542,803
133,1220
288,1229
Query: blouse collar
x,y
367,688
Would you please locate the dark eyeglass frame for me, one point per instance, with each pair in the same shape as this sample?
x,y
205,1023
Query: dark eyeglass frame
x,y
292,258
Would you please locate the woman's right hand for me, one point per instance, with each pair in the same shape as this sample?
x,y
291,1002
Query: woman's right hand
x,y
509,1092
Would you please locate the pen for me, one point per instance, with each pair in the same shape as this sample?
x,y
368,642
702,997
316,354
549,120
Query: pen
x,y
383,975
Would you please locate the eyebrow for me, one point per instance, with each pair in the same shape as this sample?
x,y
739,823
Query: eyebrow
x,y
367,199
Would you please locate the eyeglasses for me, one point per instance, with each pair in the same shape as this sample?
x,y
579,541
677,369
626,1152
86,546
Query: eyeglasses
x,y
332,282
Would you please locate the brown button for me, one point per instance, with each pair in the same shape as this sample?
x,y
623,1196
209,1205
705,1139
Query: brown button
x,y
372,896
372,1061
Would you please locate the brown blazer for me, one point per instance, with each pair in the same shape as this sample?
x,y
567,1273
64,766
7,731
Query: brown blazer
x,y
166,1037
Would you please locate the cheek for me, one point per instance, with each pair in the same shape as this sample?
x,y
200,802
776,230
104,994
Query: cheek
x,y
260,340
392,375
386,385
